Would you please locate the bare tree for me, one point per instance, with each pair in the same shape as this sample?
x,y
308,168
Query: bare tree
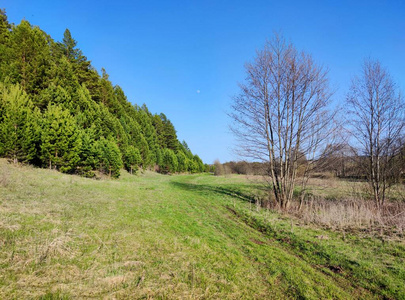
x,y
377,124
280,115
219,168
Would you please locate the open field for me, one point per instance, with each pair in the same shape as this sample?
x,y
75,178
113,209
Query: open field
x,y
175,237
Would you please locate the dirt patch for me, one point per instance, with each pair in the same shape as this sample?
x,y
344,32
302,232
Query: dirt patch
x,y
257,242
335,269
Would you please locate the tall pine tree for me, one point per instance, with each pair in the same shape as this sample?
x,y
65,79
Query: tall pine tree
x,y
19,129
60,139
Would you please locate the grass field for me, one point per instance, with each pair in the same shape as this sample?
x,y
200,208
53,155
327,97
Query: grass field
x,y
175,237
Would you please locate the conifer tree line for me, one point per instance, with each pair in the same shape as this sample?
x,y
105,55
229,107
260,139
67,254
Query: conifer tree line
x,y
56,111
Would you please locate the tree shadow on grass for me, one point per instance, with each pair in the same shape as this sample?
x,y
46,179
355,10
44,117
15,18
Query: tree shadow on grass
x,y
235,192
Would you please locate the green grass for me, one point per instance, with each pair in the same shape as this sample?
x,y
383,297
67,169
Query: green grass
x,y
174,237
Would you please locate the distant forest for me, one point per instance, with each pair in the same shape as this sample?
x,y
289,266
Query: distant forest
x,y
57,111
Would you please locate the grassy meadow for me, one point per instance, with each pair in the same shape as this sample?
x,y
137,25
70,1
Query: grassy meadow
x,y
153,236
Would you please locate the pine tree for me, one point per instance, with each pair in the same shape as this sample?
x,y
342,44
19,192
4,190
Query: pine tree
x,y
192,166
124,105
5,29
86,111
199,163
60,139
89,153
107,92
159,156
169,133
144,118
169,162
110,157
54,94
182,161
143,147
31,137
132,159
186,150
81,67
68,47
29,58
5,26
159,127
18,125
61,73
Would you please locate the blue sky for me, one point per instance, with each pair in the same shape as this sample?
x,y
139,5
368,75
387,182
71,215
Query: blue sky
x,y
185,58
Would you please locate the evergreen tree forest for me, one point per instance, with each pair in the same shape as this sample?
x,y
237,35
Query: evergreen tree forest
x,y
58,112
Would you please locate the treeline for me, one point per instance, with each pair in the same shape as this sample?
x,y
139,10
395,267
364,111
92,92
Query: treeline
x,y
56,111
337,160
240,167
343,161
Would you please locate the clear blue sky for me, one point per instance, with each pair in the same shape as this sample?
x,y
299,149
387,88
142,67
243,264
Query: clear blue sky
x,y
185,58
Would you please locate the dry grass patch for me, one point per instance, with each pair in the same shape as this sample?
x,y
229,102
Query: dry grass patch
x,y
343,205
355,215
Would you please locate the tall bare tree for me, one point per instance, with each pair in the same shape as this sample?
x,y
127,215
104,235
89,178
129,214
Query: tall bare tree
x,y
377,124
280,114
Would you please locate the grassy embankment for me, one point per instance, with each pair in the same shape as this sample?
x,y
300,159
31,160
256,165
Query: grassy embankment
x,y
188,237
